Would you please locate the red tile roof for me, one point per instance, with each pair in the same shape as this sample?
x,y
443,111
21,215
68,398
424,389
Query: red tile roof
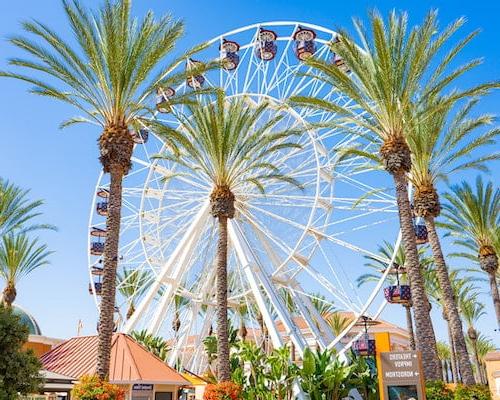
x,y
130,362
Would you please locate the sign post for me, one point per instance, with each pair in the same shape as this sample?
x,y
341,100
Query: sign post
x,y
400,375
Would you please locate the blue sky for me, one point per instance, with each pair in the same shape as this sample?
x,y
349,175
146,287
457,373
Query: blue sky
x,y
61,166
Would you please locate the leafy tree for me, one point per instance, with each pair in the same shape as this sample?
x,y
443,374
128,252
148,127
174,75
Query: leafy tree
x,y
472,217
324,376
393,67
19,256
155,344
106,72
19,369
231,143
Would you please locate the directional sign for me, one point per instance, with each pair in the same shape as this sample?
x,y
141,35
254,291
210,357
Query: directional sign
x,y
401,375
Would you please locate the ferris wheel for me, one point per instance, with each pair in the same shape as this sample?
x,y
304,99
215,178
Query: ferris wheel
x,y
287,246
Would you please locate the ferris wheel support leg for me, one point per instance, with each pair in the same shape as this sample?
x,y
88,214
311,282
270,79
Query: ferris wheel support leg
x,y
256,274
166,270
244,255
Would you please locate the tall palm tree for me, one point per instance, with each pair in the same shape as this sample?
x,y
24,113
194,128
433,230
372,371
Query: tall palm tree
x,y
19,256
230,142
393,66
440,148
106,76
132,284
386,251
472,217
472,310
17,211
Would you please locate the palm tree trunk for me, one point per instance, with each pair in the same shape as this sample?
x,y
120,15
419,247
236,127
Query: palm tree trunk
x,y
476,359
409,325
107,309
450,304
494,294
9,295
425,338
223,367
453,362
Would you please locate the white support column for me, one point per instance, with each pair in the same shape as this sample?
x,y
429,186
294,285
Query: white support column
x,y
181,248
256,274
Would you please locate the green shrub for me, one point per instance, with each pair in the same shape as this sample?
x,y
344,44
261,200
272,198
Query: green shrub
x,y
437,390
474,392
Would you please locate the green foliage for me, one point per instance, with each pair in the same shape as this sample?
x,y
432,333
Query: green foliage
x,y
262,376
364,377
474,392
19,369
324,376
17,211
437,390
154,344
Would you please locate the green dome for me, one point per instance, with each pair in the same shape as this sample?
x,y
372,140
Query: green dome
x,y
27,319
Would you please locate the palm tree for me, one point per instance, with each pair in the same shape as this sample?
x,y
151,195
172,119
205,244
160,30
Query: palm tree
x,y
230,142
440,148
386,250
179,302
462,288
19,255
484,345
132,284
321,304
155,344
472,217
338,322
389,72
472,310
106,76
17,211
444,354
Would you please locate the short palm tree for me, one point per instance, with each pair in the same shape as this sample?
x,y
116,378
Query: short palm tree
x,y
19,256
322,305
439,149
484,345
472,309
444,354
106,72
17,211
338,322
229,141
386,251
389,72
472,217
132,284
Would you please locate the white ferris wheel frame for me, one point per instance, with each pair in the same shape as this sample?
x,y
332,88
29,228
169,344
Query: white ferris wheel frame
x,y
261,287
